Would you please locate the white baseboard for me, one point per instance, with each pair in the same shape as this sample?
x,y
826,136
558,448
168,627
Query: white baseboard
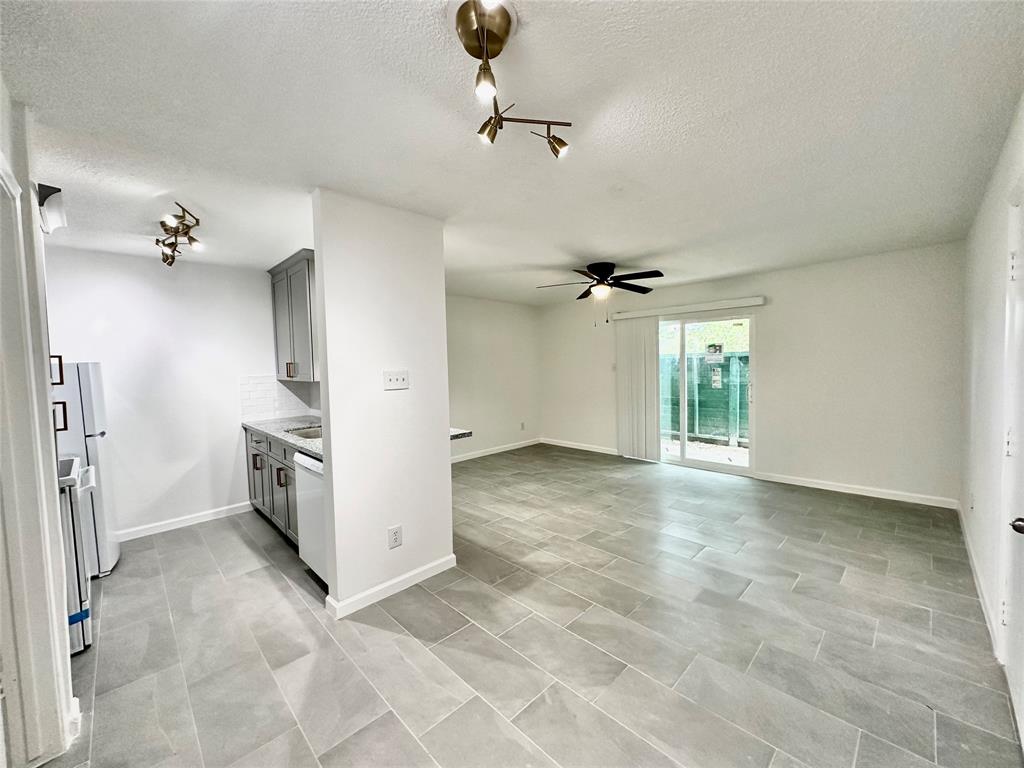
x,y
495,449
342,608
860,490
990,612
139,531
579,446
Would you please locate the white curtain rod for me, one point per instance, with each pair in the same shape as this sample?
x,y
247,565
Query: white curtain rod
x,y
707,306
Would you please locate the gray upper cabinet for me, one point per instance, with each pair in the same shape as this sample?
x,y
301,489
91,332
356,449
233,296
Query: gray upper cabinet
x,y
294,293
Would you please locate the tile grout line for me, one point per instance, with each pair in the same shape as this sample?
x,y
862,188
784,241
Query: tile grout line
x,y
284,698
358,668
564,683
478,695
856,751
96,674
177,650
527,704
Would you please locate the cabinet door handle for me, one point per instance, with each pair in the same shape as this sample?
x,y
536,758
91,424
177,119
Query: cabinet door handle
x,y
289,370
281,480
257,463
63,406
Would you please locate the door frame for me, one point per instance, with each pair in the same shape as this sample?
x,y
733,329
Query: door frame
x,y
710,317
41,714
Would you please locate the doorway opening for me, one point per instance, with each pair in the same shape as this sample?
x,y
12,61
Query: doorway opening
x,y
704,392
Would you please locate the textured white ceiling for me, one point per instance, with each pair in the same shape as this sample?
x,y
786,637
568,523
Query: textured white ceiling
x,y
709,138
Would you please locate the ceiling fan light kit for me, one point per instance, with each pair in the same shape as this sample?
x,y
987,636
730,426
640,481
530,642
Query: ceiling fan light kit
x,y
484,27
177,229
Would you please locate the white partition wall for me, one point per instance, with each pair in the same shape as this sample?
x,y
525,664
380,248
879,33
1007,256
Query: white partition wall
x,y
380,290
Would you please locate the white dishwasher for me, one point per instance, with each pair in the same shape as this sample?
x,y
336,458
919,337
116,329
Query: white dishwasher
x,y
311,507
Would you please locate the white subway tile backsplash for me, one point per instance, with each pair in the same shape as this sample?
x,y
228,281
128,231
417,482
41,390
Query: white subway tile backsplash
x,y
264,397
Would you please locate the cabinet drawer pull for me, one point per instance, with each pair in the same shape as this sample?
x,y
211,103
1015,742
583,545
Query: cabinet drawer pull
x,y
281,480
289,370
257,462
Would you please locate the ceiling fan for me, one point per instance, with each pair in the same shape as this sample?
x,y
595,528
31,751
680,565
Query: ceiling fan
x,y
601,278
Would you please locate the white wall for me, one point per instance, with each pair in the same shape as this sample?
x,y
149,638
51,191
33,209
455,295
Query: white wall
x,y
494,374
174,344
857,370
380,286
987,255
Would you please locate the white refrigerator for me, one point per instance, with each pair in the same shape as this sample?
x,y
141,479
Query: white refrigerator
x,y
80,423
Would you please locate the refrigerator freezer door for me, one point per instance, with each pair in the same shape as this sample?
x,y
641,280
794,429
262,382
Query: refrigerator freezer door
x,y
71,434
101,500
94,409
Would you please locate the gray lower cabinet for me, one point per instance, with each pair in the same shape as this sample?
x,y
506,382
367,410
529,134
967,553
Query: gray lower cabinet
x,y
272,483
293,517
293,289
259,485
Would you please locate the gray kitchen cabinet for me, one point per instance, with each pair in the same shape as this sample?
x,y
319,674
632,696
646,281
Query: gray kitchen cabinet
x,y
279,498
293,289
284,512
271,475
282,324
259,480
293,517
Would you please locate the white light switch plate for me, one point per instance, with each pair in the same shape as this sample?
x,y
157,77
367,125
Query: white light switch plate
x,y
396,380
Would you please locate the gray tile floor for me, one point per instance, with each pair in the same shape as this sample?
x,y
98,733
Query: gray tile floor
x,y
604,613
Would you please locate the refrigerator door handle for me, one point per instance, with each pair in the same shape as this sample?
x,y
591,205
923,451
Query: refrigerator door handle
x,y
60,370
63,405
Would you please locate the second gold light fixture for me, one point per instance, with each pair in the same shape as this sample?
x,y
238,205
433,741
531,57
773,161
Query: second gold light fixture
x,y
484,26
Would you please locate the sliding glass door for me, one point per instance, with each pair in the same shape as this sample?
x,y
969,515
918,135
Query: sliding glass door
x,y
704,392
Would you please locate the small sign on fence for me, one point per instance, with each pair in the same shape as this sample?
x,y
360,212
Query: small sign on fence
x,y
716,378
715,354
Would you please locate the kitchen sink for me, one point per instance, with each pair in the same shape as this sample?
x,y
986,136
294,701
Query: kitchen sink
x,y
307,433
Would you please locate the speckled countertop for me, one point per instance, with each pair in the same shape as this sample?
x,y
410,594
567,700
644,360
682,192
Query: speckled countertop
x,y
277,429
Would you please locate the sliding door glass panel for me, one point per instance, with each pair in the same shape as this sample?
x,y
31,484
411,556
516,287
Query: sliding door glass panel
x,y
716,386
670,388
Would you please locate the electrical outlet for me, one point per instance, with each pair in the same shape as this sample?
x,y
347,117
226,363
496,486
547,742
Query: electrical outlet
x,y
394,536
396,380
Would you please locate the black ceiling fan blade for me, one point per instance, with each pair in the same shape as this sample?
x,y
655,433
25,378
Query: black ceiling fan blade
x,y
585,294
585,273
556,285
639,275
633,288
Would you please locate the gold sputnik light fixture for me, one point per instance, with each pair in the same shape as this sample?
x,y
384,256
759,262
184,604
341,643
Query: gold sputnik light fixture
x,y
484,27
177,229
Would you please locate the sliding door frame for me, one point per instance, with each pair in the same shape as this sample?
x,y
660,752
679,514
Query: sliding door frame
x,y
710,317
